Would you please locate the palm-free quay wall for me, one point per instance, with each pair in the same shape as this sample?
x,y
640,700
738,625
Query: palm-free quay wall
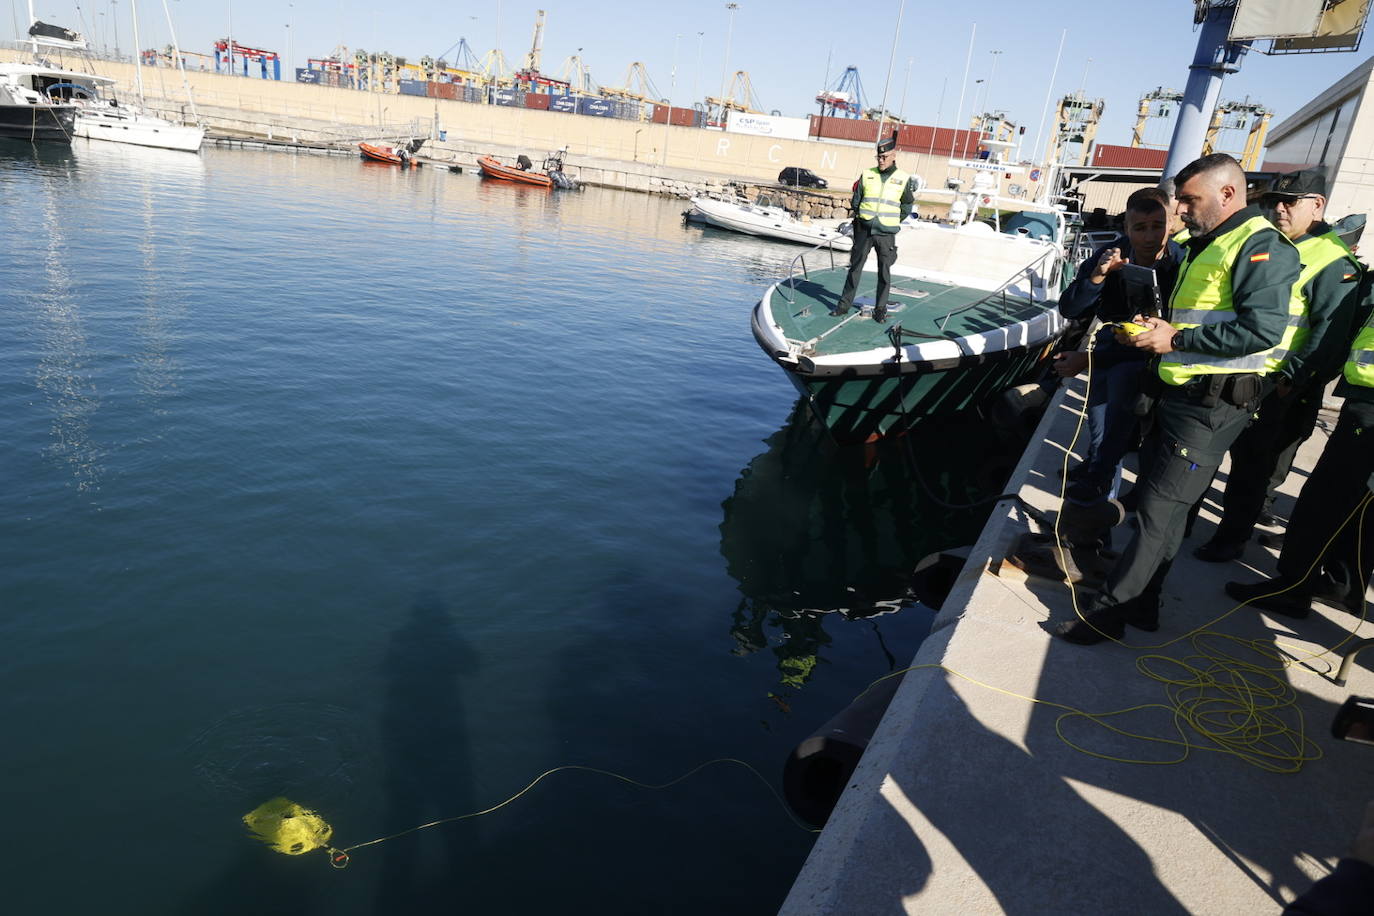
x,y
635,155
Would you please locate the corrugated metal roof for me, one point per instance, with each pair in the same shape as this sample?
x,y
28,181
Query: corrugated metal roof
x,y
1107,156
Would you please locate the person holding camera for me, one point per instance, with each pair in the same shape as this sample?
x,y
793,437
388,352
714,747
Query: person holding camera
x,y
1098,292
1322,313
1228,313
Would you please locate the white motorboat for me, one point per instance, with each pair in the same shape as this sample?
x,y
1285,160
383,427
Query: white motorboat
x,y
766,217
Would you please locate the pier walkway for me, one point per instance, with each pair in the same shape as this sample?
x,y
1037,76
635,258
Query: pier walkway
x,y
971,799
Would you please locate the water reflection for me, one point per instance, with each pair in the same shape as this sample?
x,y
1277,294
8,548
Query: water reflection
x,y
63,372
816,530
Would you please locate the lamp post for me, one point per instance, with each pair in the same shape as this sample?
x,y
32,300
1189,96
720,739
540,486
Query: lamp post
x,y
290,18
114,22
672,91
725,64
696,77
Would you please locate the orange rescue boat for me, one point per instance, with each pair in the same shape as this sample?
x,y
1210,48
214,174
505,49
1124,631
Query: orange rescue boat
x,y
384,154
493,169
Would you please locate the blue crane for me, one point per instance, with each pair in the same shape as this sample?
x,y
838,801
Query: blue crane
x,y
846,99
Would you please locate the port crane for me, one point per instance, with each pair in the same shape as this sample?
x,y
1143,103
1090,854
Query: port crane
x,y
1075,124
846,99
740,97
1251,117
637,86
228,52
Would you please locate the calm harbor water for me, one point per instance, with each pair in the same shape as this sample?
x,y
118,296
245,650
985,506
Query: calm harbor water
x,y
388,491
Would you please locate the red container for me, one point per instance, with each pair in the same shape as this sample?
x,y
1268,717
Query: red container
x,y
539,100
682,117
432,90
444,90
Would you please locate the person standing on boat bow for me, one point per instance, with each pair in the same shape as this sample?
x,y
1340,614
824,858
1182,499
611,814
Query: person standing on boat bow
x,y
883,197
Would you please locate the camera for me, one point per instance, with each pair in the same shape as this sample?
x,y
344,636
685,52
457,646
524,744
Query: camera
x,y
1355,720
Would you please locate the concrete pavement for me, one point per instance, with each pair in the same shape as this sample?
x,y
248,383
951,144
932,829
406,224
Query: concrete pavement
x,y
969,800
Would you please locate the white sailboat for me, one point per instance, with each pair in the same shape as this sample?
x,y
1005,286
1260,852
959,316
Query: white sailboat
x,y
100,116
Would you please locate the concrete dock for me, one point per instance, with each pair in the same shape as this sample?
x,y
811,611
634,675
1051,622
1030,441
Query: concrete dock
x,y
970,799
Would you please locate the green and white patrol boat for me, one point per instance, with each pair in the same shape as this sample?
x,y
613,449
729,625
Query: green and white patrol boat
x,y
972,311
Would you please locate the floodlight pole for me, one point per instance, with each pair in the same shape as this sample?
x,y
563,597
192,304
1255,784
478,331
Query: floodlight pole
x,y
1215,57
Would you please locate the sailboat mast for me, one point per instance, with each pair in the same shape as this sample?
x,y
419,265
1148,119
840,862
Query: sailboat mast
x,y
181,64
138,52
33,39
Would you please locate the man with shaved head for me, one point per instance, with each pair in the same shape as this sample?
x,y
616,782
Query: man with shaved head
x,y
1214,354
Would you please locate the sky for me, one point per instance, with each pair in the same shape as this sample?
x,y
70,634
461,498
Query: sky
x,y
791,49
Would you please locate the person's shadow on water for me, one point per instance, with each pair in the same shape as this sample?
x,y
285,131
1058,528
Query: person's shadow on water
x,y
428,762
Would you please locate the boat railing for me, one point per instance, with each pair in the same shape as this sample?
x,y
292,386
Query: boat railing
x,y
1029,272
799,262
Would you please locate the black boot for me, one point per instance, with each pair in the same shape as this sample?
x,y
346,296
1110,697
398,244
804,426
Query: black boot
x,y
1285,598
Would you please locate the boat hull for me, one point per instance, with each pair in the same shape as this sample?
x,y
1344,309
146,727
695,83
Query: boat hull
x,y
492,169
37,122
140,130
865,408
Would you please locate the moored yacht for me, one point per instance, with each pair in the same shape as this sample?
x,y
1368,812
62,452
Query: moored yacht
x,y
27,109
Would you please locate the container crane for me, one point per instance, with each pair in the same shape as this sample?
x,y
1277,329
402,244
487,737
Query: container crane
x,y
1075,124
846,99
228,51
1251,117
740,97
637,88
576,75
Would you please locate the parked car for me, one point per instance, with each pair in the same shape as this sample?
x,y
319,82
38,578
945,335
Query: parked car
x,y
800,178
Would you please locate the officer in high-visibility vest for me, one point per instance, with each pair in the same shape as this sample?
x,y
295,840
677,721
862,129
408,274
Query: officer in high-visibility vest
x,y
883,197
1226,318
1321,318
1328,555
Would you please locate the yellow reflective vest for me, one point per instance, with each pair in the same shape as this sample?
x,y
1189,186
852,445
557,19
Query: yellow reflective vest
x,y
1202,296
1359,368
882,197
1317,252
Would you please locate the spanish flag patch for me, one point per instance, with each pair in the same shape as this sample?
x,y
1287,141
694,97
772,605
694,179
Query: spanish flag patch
x,y
1262,256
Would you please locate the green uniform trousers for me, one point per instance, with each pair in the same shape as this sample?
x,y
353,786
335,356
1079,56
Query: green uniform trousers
x,y
1178,458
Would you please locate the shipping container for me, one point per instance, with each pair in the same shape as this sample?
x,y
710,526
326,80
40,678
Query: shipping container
x,y
511,98
538,100
414,87
563,103
601,108
304,75
682,117
443,91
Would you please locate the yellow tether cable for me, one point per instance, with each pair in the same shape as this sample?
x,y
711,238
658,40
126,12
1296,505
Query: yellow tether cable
x,y
1232,703
339,857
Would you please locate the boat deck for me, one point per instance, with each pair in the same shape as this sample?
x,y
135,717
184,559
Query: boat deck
x,y
920,306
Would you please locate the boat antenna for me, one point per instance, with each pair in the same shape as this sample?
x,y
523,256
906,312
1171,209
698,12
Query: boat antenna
x,y
1049,93
181,62
896,33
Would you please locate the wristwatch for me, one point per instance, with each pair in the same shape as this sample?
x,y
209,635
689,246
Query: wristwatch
x,y
1177,341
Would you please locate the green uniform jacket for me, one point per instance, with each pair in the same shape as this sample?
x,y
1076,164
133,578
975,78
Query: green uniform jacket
x,y
908,201
1261,287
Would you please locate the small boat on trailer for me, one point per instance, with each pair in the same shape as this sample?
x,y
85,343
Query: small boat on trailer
x,y
766,217
972,311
